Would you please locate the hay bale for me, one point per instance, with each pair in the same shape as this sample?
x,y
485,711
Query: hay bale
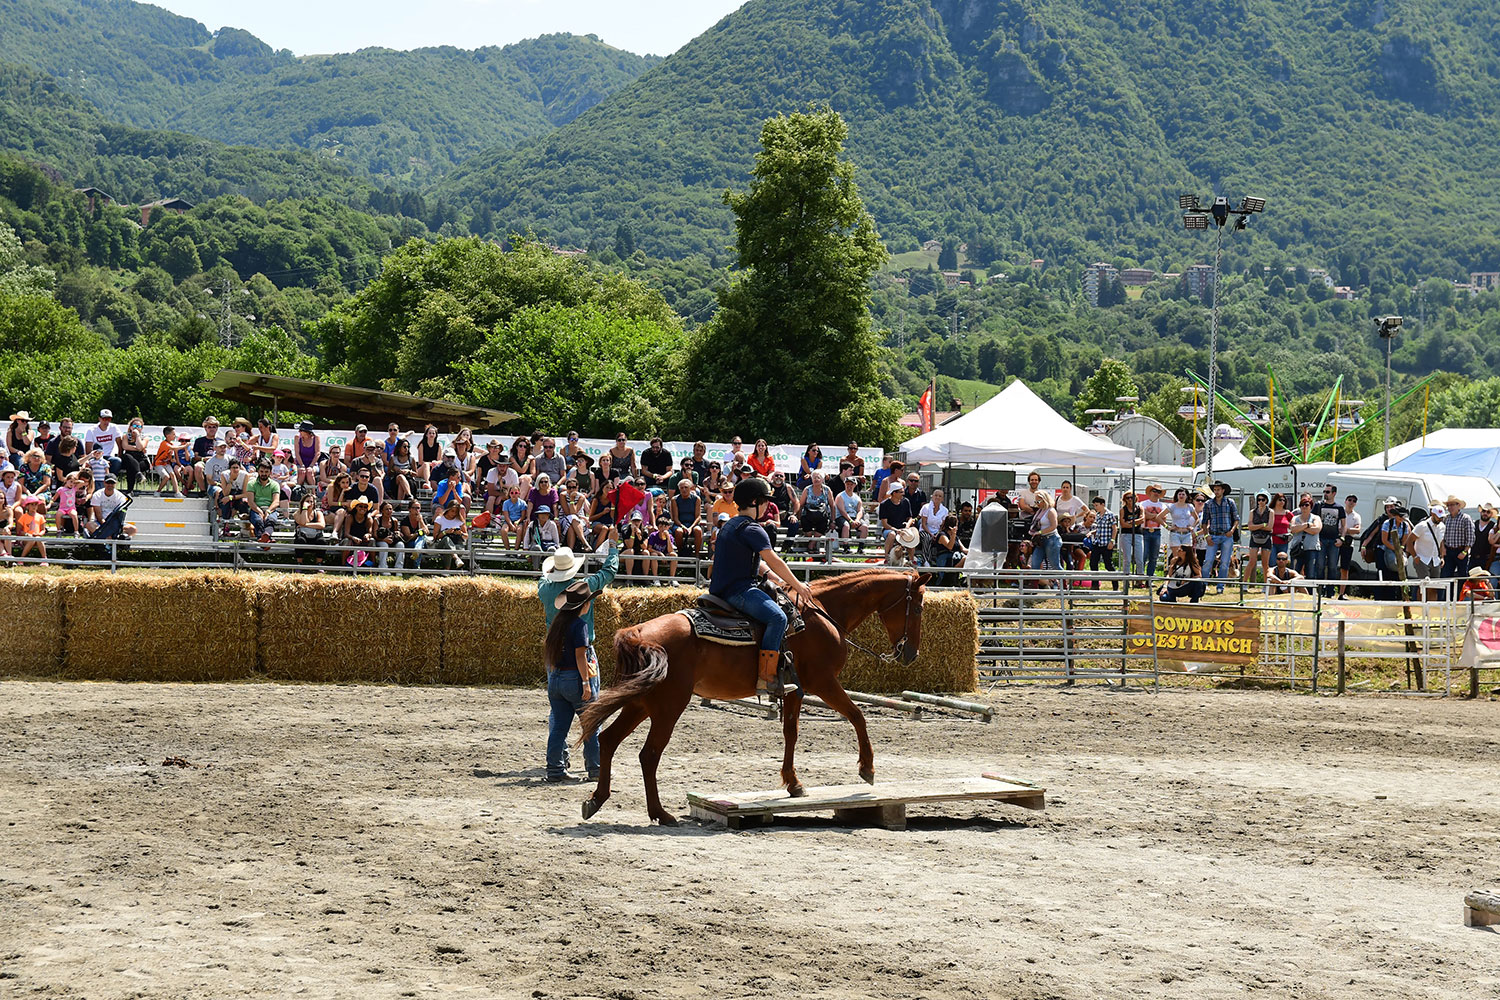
x,y
31,607
947,660
492,632
343,629
159,626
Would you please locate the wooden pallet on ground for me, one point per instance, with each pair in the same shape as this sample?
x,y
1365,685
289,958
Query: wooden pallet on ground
x,y
879,805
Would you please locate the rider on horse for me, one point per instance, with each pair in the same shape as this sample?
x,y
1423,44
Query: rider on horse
x,y
742,545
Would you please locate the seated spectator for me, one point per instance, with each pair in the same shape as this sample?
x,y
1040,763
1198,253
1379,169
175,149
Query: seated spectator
x,y
604,516
877,482
1282,576
265,502
226,489
18,436
387,535
188,470
413,531
335,504
450,532
947,548
464,454
67,505
656,464
429,455
687,518
661,554
358,532
66,459
521,458
1477,586
812,461
107,512
31,524
544,534
895,473
1183,571
582,474
572,450
849,512
550,462
573,517
633,543
362,488
310,525
283,473
542,495
133,459
895,514
266,442
930,518
761,460
64,430
816,508
499,478
684,473
621,459
788,504
852,459
715,482
36,474
355,446
332,466
401,476
901,547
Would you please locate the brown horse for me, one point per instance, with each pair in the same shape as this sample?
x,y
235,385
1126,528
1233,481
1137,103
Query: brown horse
x,y
661,665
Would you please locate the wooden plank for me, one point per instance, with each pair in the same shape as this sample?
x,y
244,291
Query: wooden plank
x,y
1481,909
859,799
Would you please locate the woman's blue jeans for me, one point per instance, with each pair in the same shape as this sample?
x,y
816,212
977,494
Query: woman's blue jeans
x,y
565,693
1047,549
1133,554
758,605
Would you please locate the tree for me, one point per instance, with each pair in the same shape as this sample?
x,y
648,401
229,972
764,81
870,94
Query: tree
x,y
948,258
624,240
16,276
180,259
790,355
1112,380
1466,404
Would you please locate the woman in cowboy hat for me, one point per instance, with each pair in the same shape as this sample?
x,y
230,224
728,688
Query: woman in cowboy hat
x,y
18,436
572,677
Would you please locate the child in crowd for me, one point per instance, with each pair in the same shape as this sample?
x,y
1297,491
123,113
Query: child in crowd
x,y
98,468
283,473
512,520
661,553
67,505
165,462
32,523
544,534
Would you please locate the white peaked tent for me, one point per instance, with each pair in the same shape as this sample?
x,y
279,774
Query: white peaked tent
x,y
1016,428
1227,457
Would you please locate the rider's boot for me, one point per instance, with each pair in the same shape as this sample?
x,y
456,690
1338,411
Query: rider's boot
x,y
766,681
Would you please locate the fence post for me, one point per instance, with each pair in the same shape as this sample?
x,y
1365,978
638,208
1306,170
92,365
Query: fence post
x,y
1342,674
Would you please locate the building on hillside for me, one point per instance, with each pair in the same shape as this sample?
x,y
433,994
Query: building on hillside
x,y
1036,263
1318,274
93,194
1200,277
933,246
1094,276
568,252
995,278
1470,289
950,278
1488,281
1344,292
1137,276
176,206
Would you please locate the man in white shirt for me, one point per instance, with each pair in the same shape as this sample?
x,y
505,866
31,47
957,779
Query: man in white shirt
x,y
1155,513
1025,497
1424,544
107,512
106,437
1353,526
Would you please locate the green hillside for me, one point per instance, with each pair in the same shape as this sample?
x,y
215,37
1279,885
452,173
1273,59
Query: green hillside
x,y
398,116
1062,129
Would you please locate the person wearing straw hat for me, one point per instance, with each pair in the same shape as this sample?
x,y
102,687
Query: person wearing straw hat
x,y
904,546
572,678
18,436
559,570
1458,539
1477,586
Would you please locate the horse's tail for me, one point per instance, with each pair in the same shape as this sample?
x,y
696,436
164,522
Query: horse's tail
x,y
641,666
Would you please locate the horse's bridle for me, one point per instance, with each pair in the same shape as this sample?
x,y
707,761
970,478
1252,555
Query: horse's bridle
x,y
899,647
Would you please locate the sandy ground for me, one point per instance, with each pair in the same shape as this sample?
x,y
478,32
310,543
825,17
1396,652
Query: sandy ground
x,y
383,842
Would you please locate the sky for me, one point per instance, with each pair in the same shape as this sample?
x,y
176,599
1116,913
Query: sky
x,y
308,27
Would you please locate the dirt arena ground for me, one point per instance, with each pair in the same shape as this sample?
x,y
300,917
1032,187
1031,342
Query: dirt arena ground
x,y
383,842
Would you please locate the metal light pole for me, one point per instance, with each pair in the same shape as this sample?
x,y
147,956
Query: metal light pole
x,y
1388,327
1194,217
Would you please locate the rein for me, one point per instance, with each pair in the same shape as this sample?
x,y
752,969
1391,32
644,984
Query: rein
x,y
895,652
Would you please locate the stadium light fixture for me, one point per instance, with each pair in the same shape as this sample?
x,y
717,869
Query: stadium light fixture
x,y
1194,217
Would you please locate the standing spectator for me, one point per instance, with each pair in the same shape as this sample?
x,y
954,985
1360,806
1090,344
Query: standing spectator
x,y
1222,518
1259,552
1154,518
1281,525
687,518
812,461
1131,537
307,449
760,459
1487,540
133,458
18,436
849,512
1424,547
98,468
895,514
1026,498
656,464
1331,537
550,462
1393,535
1200,533
1458,540
1306,531
621,460
1070,510
1182,519
1349,543
165,464
429,454
1046,542
1104,538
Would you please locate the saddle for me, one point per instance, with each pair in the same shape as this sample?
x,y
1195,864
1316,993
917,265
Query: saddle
x,y
719,621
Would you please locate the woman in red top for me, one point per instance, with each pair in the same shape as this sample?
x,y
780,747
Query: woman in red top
x,y
1281,525
760,459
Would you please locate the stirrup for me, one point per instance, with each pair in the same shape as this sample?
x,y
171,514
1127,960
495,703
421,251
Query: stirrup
x,y
786,674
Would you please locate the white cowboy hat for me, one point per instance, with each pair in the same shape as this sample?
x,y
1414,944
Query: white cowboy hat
x,y
907,537
561,565
20,415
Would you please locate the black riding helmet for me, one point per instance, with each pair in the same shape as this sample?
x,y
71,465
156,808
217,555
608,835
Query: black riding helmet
x,y
749,492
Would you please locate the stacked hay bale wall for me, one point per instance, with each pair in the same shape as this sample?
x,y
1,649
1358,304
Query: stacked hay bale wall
x,y
31,607
193,626
159,627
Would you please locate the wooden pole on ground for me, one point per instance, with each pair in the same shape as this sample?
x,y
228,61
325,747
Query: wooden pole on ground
x,y
1342,674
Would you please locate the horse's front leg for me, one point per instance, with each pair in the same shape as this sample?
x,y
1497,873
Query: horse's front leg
x,y
791,715
837,699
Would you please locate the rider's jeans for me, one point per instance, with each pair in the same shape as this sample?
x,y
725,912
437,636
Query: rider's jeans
x,y
758,605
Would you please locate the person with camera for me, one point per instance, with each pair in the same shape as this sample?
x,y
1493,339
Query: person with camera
x,y
450,532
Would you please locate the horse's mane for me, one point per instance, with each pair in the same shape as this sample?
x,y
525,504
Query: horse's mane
x,y
856,578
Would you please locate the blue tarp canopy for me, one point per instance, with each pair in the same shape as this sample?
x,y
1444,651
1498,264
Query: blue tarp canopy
x,y
1483,462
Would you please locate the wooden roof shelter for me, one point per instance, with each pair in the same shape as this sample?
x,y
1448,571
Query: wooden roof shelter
x,y
349,404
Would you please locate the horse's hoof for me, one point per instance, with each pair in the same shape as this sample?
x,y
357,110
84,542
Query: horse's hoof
x,y
665,819
589,807
796,791
868,776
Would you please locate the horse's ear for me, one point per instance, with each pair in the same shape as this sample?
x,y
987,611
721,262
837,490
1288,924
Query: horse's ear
x,y
923,579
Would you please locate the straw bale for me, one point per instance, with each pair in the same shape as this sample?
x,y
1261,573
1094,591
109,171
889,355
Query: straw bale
x,y
31,607
492,632
947,659
343,630
159,626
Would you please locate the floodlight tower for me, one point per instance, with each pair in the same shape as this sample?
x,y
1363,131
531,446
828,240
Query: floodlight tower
x,y
1194,216
1388,327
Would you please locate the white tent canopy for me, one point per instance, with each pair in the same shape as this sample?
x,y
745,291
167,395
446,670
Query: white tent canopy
x,y
1016,427
1227,457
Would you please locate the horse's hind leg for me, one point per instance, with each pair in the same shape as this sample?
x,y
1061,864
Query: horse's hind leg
x,y
838,700
663,721
791,715
609,741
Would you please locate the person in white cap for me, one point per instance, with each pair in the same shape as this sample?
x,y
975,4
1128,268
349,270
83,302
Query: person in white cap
x,y
106,437
1424,547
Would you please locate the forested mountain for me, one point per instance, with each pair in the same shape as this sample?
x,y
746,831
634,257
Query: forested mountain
x,y
1063,129
397,116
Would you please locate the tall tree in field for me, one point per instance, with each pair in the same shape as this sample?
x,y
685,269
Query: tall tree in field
x,y
790,355
1112,380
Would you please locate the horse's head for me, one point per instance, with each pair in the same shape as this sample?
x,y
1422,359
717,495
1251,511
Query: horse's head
x,y
902,616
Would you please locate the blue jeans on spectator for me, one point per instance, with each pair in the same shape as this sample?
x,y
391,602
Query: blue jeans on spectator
x,y
1220,551
565,693
1133,554
1152,538
1311,563
1046,551
758,605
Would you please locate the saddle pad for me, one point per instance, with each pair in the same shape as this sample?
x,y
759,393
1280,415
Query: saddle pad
x,y
734,631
